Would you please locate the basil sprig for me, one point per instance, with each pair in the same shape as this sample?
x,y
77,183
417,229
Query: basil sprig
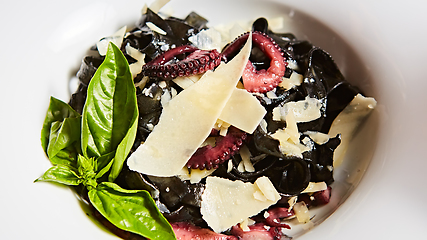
x,y
84,148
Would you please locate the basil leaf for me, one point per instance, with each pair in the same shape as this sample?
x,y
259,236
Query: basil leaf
x,y
61,174
57,112
64,141
123,150
104,169
104,163
131,210
110,110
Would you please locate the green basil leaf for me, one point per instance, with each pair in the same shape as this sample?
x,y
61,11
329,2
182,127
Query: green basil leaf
x,y
111,113
110,109
104,162
123,150
57,112
61,174
64,141
104,169
131,210
66,156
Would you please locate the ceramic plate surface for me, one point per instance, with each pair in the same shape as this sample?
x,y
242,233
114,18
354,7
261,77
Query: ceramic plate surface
x,y
379,46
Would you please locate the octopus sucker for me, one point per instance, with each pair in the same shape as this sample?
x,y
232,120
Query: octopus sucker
x,y
167,66
209,157
254,80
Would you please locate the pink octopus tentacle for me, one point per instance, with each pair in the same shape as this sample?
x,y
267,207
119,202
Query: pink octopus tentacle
x,y
198,61
168,55
276,214
260,80
258,231
187,231
209,157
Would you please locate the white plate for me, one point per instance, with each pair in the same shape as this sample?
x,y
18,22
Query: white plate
x,y
379,46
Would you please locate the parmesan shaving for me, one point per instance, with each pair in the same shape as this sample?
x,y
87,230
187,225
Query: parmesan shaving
x,y
304,111
294,80
155,6
258,195
347,122
196,174
244,225
246,159
116,38
207,39
185,82
315,187
264,184
155,28
318,137
289,138
301,212
141,84
230,165
226,203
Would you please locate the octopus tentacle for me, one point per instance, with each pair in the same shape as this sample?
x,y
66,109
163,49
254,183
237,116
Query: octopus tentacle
x,y
260,80
184,230
258,231
209,157
198,61
276,214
